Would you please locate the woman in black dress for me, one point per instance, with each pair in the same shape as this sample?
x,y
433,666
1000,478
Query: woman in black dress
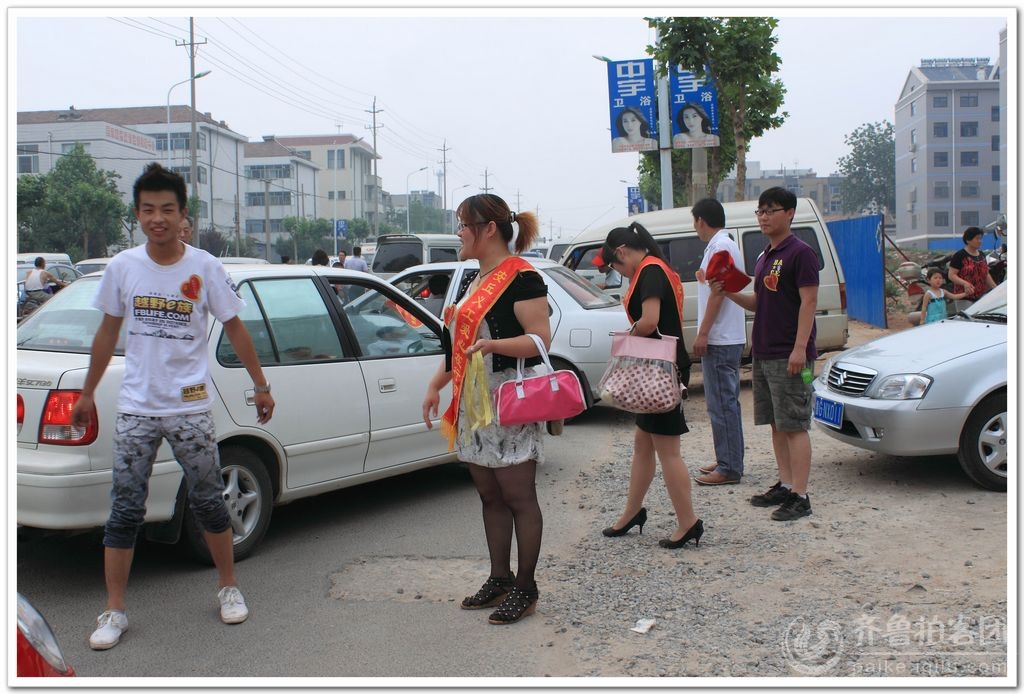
x,y
654,303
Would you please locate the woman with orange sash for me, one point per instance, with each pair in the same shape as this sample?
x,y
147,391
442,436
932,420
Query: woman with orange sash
x,y
506,302
653,303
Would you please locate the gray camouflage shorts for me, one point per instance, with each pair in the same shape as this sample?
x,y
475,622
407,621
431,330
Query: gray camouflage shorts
x,y
136,441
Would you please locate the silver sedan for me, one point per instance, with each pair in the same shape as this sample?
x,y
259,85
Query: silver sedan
x,y
936,389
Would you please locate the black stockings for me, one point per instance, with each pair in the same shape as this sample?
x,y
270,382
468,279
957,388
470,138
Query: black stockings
x,y
509,498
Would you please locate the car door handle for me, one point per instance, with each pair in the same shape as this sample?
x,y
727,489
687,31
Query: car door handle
x,y
387,385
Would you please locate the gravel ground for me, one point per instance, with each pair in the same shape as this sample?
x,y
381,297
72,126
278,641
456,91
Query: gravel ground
x,y
900,571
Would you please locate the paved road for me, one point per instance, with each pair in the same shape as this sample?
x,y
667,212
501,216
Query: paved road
x,y
358,583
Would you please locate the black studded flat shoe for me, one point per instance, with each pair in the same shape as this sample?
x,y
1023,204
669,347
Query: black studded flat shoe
x,y
519,603
492,592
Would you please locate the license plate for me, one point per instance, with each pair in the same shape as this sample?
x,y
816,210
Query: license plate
x,y
828,412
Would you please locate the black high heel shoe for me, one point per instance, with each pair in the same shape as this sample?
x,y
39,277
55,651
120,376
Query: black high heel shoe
x,y
693,533
639,519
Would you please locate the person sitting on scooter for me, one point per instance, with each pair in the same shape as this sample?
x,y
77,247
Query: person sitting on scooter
x,y
37,283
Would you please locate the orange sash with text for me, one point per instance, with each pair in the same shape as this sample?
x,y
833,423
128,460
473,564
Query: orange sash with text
x,y
466,325
673,279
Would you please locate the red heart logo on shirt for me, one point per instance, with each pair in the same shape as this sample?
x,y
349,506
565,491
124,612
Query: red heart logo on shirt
x,y
772,282
191,288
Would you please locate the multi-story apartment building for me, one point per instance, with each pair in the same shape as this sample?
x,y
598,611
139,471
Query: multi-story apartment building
x,y
805,183
279,182
345,184
124,140
950,163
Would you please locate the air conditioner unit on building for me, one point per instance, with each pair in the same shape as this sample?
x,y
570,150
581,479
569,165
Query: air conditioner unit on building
x,y
912,147
910,207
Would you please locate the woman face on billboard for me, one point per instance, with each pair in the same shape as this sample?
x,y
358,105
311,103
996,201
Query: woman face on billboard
x,y
632,125
693,121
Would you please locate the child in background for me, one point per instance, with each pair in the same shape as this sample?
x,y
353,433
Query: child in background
x,y
933,307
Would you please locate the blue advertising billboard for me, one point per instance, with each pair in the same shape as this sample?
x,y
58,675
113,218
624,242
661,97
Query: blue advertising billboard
x,y
694,110
632,107
635,200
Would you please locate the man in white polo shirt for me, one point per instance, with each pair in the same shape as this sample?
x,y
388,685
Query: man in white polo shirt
x,y
721,334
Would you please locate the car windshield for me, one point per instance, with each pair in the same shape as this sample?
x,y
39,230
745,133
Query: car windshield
x,y
586,293
395,257
991,307
67,322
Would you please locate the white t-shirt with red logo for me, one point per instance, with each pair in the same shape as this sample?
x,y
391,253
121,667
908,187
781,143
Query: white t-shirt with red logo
x,y
165,310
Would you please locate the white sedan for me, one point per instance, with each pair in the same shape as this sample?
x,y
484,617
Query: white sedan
x,y
582,316
932,390
347,412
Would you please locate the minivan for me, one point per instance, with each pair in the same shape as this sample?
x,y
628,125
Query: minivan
x,y
396,252
674,232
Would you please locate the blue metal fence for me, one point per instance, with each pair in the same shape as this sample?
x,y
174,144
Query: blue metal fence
x,y
859,246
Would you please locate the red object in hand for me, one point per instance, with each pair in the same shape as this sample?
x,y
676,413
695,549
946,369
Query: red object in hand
x,y
722,268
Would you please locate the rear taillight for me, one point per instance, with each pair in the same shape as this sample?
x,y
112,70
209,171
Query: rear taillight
x,y
55,427
21,412
842,295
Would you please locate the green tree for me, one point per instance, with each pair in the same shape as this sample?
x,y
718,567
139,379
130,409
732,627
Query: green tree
x,y
75,208
423,219
869,169
738,53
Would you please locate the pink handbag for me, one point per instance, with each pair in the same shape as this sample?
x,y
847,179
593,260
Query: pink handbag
x,y
642,376
547,397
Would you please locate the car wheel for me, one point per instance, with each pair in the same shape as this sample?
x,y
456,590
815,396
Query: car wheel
x,y
982,451
249,496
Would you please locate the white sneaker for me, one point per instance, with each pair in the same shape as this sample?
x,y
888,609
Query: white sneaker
x,y
109,627
232,605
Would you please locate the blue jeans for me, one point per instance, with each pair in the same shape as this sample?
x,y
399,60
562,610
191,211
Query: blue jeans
x,y
721,367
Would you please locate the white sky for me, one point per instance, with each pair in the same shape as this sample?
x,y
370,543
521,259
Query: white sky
x,y
515,92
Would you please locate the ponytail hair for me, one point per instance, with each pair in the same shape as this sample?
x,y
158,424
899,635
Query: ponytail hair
x,y
491,208
634,236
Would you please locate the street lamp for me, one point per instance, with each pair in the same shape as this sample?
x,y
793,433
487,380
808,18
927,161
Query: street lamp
x,y
408,201
196,76
454,206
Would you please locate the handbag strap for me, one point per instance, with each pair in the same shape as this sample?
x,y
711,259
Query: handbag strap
x,y
521,361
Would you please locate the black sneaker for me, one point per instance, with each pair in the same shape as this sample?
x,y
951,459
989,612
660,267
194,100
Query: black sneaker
x,y
794,507
773,497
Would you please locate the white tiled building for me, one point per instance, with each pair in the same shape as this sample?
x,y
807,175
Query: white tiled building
x,y
950,162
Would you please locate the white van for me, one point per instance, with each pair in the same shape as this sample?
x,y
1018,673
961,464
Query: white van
x,y
674,232
396,252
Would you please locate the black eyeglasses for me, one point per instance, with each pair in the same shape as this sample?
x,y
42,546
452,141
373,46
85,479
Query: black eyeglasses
x,y
767,213
463,225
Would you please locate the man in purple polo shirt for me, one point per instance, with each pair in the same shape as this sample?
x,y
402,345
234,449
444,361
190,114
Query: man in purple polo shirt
x,y
782,345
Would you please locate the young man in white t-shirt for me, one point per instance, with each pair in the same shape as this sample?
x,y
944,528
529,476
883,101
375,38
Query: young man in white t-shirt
x,y
165,291
721,334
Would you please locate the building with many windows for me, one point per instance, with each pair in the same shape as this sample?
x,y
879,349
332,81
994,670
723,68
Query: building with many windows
x,y
124,140
950,162
345,184
805,183
279,182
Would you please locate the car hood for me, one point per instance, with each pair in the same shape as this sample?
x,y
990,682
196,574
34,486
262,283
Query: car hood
x,y
925,347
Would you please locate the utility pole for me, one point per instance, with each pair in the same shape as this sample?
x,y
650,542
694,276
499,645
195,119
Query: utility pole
x,y
444,181
486,188
376,195
266,216
192,82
